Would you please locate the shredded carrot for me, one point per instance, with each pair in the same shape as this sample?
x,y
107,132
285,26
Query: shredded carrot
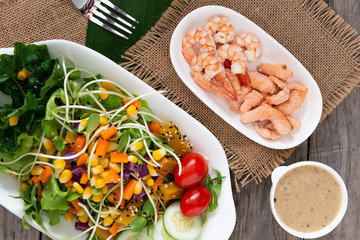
x,y
117,157
69,183
155,127
114,228
137,104
129,189
108,132
79,143
82,159
112,177
84,178
101,148
156,183
36,180
75,203
161,172
73,210
46,174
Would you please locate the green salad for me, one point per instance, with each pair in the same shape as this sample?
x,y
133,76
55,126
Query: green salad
x,y
85,148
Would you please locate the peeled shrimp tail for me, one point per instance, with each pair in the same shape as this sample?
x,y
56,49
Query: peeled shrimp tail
x,y
197,37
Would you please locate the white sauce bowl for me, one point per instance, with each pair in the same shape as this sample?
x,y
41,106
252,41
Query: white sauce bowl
x,y
280,171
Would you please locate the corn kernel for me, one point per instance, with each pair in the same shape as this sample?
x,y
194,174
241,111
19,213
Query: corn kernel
x,y
82,125
97,198
94,179
37,170
115,167
111,198
69,217
81,212
48,144
71,137
97,169
103,96
99,183
150,182
43,159
132,159
108,221
13,121
138,187
91,146
78,187
159,154
83,219
87,192
65,176
104,174
151,169
104,162
131,110
136,146
23,186
24,178
104,215
51,151
105,189
60,163
103,121
23,74
94,160
112,147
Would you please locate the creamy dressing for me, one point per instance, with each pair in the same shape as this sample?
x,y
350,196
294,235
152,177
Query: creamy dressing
x,y
307,198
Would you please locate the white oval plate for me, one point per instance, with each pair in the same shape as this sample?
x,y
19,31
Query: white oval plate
x,y
221,223
310,112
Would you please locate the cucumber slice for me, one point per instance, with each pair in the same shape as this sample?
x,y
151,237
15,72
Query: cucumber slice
x,y
127,235
159,232
178,226
146,233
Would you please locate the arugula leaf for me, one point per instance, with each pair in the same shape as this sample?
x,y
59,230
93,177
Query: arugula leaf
x,y
112,102
58,143
56,99
214,186
123,141
53,198
54,80
33,55
49,128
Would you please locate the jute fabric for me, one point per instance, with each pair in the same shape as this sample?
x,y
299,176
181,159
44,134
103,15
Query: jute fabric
x,y
322,41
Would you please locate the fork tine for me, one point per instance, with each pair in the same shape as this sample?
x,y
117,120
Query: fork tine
x,y
108,12
103,25
116,8
110,21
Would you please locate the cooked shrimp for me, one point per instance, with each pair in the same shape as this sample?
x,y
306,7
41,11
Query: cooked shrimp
x,y
265,112
250,43
235,55
266,132
212,67
251,100
294,102
261,82
278,98
221,28
200,38
275,70
294,121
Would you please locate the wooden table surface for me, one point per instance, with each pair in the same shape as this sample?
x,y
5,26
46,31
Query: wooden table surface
x,y
335,142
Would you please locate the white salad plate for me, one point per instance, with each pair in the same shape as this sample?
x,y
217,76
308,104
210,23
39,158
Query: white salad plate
x,y
272,52
220,223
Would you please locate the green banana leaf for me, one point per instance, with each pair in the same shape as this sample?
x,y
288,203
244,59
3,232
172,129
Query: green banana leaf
x,y
147,12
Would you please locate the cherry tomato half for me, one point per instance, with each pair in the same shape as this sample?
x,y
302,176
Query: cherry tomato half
x,y
195,201
193,170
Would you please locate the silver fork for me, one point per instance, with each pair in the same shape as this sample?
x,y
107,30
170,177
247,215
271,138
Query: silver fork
x,y
90,9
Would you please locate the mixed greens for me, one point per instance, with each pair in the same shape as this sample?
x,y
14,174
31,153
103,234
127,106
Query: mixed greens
x,y
84,147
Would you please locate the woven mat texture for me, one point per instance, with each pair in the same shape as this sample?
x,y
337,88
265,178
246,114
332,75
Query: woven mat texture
x,y
31,21
311,31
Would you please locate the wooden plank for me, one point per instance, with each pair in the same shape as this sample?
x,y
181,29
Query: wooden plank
x,y
254,216
11,228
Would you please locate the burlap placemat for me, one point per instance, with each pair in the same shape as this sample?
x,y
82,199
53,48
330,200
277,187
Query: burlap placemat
x,y
30,21
326,45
